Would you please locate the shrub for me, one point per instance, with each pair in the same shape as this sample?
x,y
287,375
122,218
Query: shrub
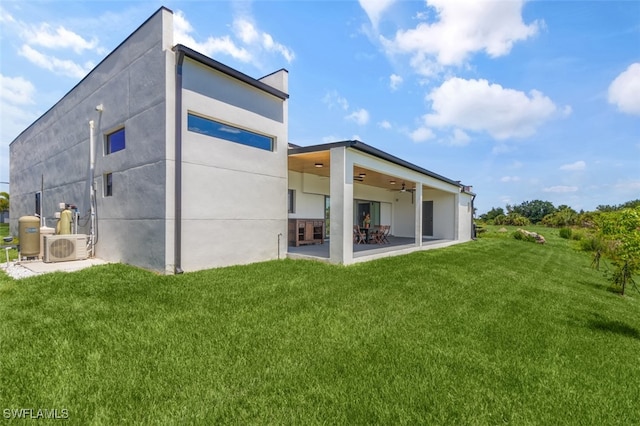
x,y
513,219
577,235
523,237
565,233
591,243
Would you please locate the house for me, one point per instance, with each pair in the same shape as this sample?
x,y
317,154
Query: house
x,y
176,162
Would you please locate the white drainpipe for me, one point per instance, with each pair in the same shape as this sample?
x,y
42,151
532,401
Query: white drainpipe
x,y
92,191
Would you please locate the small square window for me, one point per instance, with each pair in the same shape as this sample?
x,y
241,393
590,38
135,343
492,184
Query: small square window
x,y
114,142
108,184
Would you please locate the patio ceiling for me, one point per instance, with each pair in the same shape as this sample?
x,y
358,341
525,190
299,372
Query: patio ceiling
x,y
306,163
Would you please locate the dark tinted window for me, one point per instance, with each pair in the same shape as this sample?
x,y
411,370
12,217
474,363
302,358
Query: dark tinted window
x,y
115,141
215,129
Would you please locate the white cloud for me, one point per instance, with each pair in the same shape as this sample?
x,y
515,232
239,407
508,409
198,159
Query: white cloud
x,y
461,29
333,99
509,179
479,106
624,91
211,46
16,90
252,36
459,138
384,124
395,81
421,134
252,42
561,189
578,165
375,8
628,186
360,116
15,94
58,38
59,66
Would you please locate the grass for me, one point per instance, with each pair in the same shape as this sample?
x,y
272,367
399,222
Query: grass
x,y
492,331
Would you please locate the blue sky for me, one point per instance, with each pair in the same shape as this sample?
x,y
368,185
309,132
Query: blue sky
x,y
522,100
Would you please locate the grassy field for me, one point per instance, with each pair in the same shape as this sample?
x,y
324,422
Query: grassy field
x,y
492,331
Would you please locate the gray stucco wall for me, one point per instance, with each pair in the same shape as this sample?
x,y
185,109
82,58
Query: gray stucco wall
x,y
131,85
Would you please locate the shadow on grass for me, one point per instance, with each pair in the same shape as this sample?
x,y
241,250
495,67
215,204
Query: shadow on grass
x,y
617,327
594,284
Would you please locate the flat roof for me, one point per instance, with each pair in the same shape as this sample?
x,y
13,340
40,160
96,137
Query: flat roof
x,y
219,66
361,146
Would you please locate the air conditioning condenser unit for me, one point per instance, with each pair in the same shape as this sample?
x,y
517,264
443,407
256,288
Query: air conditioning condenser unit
x,y
63,248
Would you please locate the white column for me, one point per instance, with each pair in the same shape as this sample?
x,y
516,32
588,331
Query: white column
x,y
456,224
418,207
341,214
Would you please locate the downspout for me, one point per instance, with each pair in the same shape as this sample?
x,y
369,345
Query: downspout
x,y
178,167
92,191
473,224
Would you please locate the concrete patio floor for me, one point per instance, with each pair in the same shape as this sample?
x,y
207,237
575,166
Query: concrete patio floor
x,y
397,245
27,268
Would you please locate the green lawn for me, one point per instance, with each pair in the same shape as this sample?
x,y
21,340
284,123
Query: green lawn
x,y
492,331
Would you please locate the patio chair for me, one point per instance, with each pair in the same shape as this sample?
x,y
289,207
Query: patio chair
x,y
375,236
359,237
384,234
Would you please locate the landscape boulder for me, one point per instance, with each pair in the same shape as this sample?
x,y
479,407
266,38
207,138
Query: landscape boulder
x,y
539,238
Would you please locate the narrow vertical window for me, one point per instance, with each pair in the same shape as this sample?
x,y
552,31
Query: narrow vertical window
x,y
292,201
108,184
114,142
38,204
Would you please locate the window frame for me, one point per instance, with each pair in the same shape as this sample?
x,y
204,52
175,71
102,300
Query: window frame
x,y
230,132
108,145
291,200
107,187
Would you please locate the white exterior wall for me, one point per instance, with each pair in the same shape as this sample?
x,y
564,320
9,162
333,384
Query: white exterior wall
x,y
234,197
310,191
404,217
465,216
444,214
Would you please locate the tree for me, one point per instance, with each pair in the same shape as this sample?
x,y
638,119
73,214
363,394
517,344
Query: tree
x,y
620,229
4,205
628,205
4,202
492,214
564,216
534,210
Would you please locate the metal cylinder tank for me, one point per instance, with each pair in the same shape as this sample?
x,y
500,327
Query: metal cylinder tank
x,y
29,234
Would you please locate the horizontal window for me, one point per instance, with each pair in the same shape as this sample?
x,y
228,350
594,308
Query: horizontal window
x,y
215,129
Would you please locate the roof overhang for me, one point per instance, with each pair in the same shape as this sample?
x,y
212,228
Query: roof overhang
x,y
320,153
218,66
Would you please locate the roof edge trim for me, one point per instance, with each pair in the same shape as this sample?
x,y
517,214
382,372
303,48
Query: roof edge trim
x,y
225,69
361,146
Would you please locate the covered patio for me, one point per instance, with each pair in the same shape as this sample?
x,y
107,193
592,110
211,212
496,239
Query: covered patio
x,y
342,183
366,252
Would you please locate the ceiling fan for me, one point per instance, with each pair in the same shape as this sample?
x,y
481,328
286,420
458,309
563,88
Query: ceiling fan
x,y
404,188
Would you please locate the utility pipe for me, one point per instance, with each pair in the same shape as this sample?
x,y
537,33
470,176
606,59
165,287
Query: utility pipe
x,y
92,192
177,236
